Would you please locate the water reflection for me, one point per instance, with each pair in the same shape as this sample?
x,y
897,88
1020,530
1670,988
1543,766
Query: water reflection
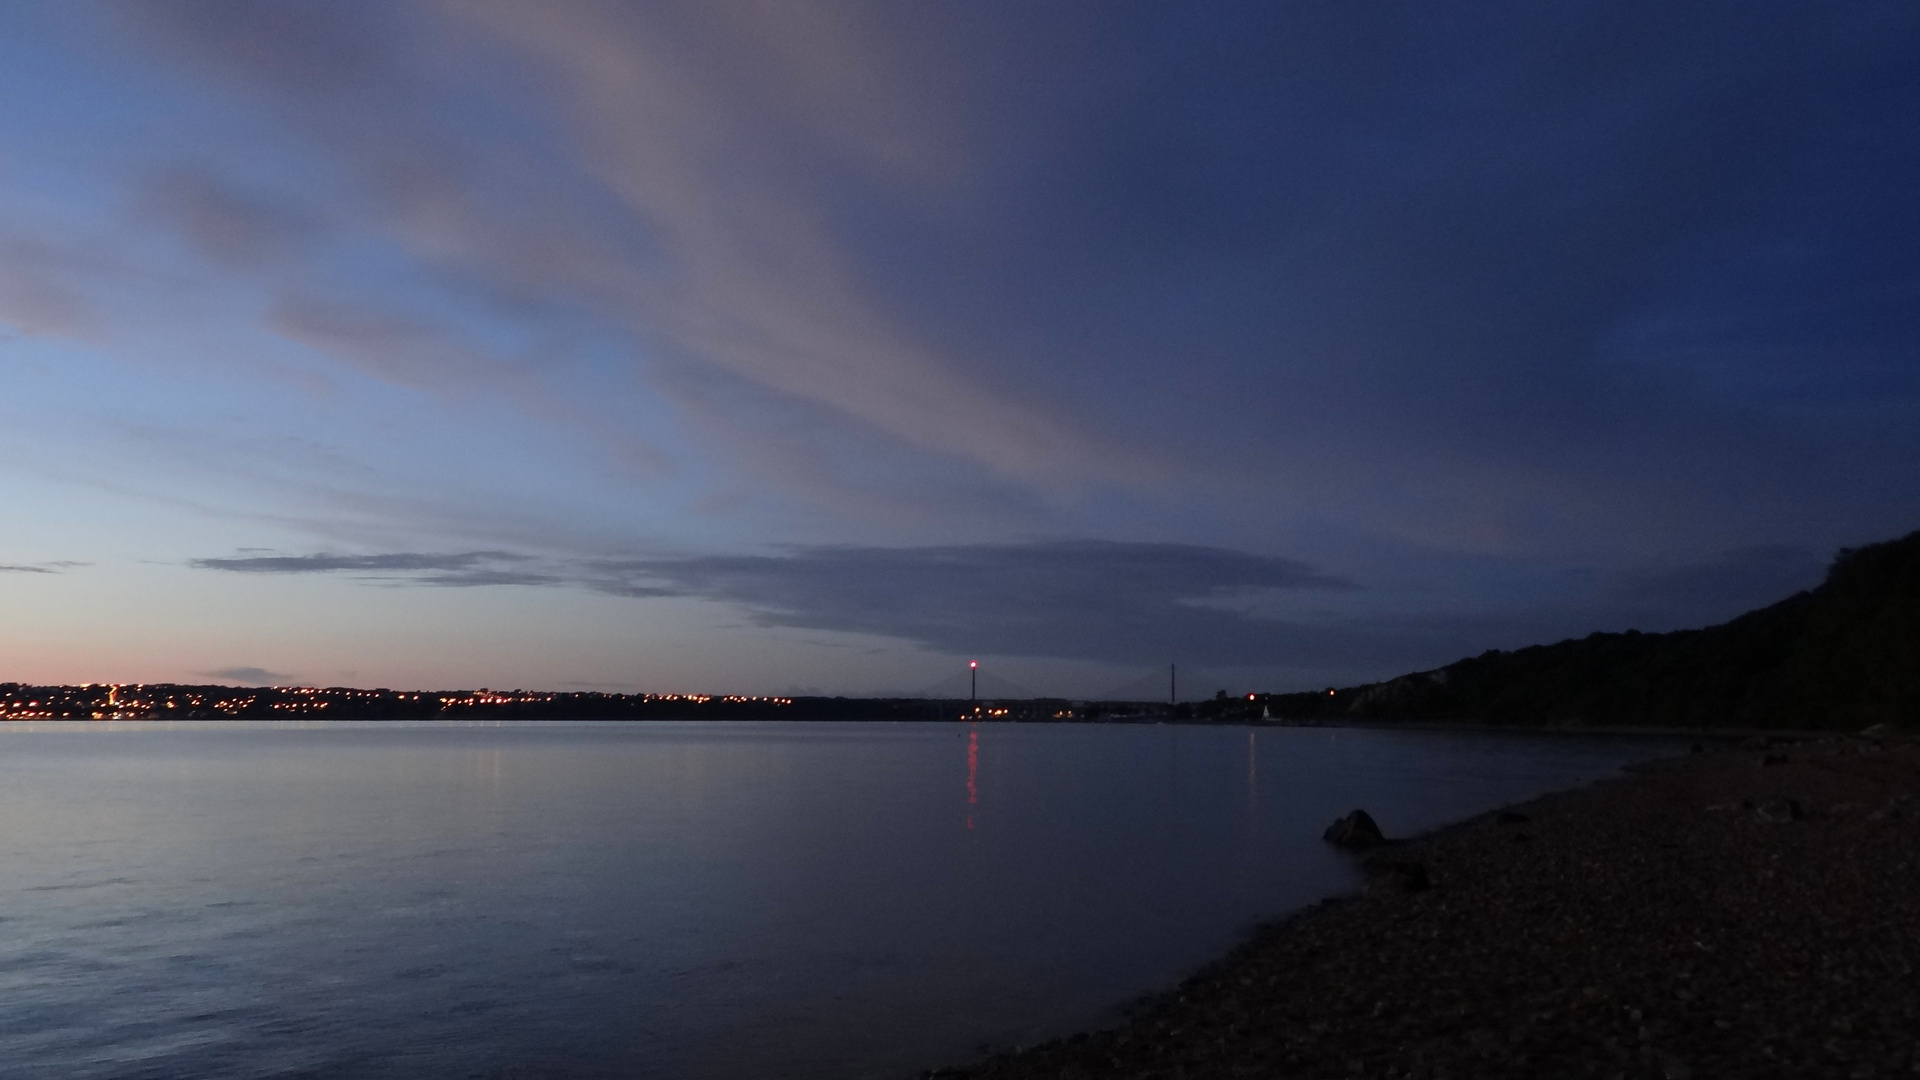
x,y
696,901
973,772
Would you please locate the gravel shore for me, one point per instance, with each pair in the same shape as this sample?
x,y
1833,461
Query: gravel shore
x,y
1735,913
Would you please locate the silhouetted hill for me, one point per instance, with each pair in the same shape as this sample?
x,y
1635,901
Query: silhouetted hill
x,y
1844,655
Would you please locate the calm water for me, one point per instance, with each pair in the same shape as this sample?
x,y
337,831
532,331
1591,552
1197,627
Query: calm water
x,y
671,900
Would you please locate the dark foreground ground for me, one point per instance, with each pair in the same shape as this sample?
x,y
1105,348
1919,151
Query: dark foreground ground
x,y
1738,913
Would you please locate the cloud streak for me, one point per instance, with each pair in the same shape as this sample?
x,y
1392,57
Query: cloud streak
x,y
252,676
460,570
56,566
402,562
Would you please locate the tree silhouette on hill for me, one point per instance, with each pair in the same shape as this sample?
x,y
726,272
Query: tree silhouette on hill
x,y
1844,655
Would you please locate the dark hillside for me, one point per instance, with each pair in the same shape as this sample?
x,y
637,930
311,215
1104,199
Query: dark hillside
x,y
1843,655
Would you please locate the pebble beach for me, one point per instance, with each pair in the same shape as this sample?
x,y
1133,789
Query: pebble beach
x,y
1737,912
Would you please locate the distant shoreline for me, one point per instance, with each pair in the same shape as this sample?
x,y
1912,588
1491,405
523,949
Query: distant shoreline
x,y
177,701
1710,734
1751,911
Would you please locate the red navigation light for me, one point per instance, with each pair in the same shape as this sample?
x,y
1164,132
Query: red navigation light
x,y
973,663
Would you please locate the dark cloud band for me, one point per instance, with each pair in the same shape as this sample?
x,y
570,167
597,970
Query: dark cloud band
x,y
1081,599
403,562
1104,601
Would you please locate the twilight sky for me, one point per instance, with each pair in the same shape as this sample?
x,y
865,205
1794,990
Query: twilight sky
x,y
776,347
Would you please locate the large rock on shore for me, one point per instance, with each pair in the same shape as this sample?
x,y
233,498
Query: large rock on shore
x,y
1356,830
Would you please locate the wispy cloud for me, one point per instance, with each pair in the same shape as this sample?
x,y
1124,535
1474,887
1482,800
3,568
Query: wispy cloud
x,y
44,283
323,563
54,567
236,228
689,198
461,569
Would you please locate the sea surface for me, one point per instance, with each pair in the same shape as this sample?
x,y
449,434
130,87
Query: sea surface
x,y
717,900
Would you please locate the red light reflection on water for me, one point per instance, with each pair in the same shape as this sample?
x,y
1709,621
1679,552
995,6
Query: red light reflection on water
x,y
973,772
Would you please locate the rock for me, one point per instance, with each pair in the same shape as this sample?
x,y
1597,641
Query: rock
x,y
1511,817
1773,759
1778,810
1696,748
1877,731
1356,830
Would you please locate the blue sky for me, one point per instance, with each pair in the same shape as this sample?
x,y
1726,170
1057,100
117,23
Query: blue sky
x,y
768,347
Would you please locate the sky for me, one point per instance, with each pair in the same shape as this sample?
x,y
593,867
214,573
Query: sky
x,y
783,347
